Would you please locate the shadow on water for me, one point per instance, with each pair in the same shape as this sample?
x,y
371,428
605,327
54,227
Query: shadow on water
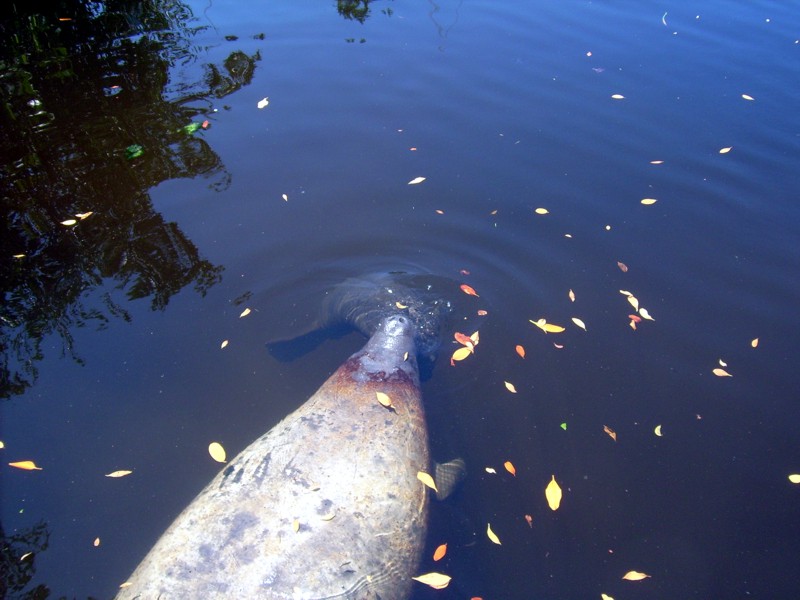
x,y
90,121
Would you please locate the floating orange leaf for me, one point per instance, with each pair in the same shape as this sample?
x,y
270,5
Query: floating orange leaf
x,y
217,452
529,521
440,551
26,465
463,338
121,473
611,433
482,313
520,350
468,290
427,480
510,387
437,581
721,373
553,494
492,535
635,318
635,576
634,302
510,468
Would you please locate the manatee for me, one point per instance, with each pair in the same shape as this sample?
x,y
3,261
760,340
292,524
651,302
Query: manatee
x,y
327,504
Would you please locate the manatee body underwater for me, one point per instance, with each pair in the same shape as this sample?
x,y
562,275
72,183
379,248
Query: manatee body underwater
x,y
327,504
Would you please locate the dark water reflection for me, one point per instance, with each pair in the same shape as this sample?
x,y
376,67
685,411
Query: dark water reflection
x,y
111,327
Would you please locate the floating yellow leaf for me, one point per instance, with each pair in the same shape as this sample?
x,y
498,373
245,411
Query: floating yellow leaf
x,y
124,585
541,211
96,542
754,343
794,478
747,97
579,323
223,344
510,468
648,201
611,433
553,494
69,222
547,327
520,350
634,302
216,451
461,353
721,373
625,293
27,465
725,150
427,480
121,473
492,535
437,581
416,180
605,597
440,551
657,430
571,295
245,312
617,96
510,387
635,576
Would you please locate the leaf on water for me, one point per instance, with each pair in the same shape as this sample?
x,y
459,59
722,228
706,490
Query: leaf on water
x,y
461,354
464,339
69,222
794,477
510,468
635,576
520,350
622,267
121,473
468,290
492,535
384,400
634,302
483,313
26,465
656,162
611,433
439,211
224,344
510,387
416,180
491,470
625,293
645,314
722,363
285,197
563,426
547,327
571,295
648,201
440,551
632,324
617,96
754,343
721,373
96,542
579,323
558,346
245,312
635,318
529,521
437,581
427,480
553,494
747,97
725,150
657,430
217,452
263,102
541,211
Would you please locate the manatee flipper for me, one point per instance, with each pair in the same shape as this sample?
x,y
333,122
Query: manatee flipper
x,y
447,477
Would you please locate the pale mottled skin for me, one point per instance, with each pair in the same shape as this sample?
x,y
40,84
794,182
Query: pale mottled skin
x,y
262,527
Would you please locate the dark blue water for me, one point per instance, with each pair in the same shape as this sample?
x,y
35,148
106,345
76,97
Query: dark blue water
x,y
503,108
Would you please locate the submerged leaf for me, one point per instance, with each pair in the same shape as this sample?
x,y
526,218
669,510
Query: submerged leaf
x,y
553,494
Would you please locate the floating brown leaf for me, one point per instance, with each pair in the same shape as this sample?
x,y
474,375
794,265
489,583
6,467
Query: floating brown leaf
x,y
571,295
611,433
468,290
553,494
217,452
492,535
440,551
510,468
25,465
437,581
